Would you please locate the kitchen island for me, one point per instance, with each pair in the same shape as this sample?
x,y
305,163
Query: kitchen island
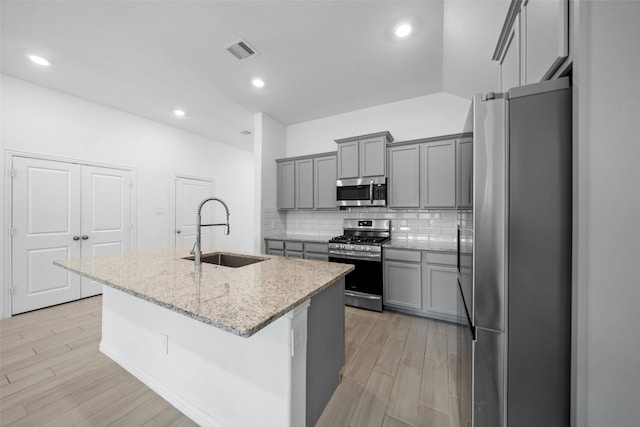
x,y
261,344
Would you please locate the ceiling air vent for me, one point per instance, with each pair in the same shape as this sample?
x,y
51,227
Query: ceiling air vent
x,y
241,50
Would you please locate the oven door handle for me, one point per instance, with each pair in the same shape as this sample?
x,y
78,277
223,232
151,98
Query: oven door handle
x,y
372,257
361,295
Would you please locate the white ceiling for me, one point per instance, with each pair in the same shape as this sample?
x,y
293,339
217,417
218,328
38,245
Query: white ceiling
x,y
318,58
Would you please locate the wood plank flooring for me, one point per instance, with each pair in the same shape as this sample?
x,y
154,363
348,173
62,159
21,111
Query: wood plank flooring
x,y
52,374
400,371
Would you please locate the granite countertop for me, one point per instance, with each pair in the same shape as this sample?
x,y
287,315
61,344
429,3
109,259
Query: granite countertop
x,y
427,245
238,300
315,238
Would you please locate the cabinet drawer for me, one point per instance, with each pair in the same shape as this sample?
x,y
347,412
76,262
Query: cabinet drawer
x,y
317,247
294,246
402,255
275,252
438,258
294,254
275,244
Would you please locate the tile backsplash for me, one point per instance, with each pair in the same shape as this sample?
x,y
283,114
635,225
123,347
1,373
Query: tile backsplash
x,y
433,225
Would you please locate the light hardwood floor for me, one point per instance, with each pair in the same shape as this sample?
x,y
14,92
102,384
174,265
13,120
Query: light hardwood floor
x,y
400,371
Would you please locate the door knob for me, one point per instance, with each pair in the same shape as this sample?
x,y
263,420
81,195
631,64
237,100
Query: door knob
x,y
76,237
85,237
178,231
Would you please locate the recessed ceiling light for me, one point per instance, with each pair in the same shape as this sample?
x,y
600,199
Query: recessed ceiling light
x,y
403,30
178,113
39,60
258,82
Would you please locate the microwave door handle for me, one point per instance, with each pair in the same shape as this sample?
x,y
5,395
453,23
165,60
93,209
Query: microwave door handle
x,y
371,192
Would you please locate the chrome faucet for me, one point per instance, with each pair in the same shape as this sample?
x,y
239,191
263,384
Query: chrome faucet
x,y
197,248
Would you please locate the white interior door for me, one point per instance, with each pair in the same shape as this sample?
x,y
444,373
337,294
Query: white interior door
x,y
106,216
189,194
46,227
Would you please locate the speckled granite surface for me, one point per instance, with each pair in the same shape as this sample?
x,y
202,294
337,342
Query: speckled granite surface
x,y
238,300
319,238
426,245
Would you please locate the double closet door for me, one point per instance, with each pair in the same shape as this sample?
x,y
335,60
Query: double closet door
x,y
62,211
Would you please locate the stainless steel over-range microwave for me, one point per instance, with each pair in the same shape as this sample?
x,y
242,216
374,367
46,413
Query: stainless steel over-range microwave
x,y
362,192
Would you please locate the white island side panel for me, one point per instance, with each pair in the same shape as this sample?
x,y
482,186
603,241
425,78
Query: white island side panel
x,y
212,376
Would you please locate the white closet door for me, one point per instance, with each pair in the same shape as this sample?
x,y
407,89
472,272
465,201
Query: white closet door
x,y
106,216
45,219
189,194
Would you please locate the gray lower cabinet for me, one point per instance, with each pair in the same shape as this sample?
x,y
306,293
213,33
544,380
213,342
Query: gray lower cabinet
x,y
298,249
438,174
425,283
293,249
286,193
317,251
275,247
402,279
324,182
404,176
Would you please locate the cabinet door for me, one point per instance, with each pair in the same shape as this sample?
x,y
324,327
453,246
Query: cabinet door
x,y
286,185
348,159
510,64
404,176
442,295
315,256
464,180
372,157
304,184
402,285
438,174
325,182
547,38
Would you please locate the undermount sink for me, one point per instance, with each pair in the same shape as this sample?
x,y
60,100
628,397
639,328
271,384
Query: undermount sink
x,y
228,260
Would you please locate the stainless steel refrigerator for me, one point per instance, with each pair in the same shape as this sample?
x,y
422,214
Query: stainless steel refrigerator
x,y
520,308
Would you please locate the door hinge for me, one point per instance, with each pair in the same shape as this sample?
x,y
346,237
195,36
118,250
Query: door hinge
x,y
12,290
130,184
13,173
12,232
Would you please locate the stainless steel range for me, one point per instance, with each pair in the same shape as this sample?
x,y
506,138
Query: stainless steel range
x,y
361,245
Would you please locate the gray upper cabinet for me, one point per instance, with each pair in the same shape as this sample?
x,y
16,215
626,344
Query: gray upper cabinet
x,y
373,157
510,63
404,176
464,181
307,182
438,174
533,43
304,184
348,160
547,41
363,156
286,185
324,193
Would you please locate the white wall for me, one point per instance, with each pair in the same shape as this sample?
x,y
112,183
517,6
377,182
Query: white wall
x,y
471,29
421,117
269,145
43,121
606,77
